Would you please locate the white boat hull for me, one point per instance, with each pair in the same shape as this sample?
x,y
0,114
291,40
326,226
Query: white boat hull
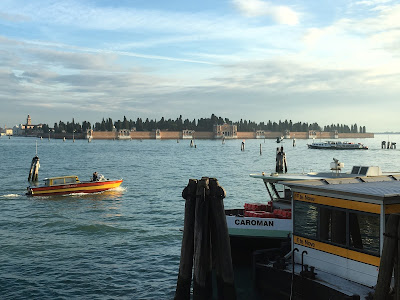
x,y
259,227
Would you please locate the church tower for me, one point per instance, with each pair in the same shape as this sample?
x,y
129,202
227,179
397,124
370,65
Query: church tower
x,y
28,121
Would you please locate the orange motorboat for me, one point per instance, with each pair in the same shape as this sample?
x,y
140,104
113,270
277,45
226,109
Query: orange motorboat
x,y
71,184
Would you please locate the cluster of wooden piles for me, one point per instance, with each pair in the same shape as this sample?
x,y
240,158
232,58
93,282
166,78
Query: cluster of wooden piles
x,y
205,243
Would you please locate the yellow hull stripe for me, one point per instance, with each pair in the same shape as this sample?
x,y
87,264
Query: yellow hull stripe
x,y
341,203
80,189
339,251
392,209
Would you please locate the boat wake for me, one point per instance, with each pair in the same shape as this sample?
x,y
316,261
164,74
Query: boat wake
x,y
111,192
9,196
119,189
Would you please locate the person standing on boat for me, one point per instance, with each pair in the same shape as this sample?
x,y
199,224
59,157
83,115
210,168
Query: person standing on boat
x,y
276,160
95,176
281,161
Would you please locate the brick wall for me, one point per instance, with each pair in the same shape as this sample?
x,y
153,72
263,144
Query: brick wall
x,y
172,135
143,135
210,135
104,135
203,135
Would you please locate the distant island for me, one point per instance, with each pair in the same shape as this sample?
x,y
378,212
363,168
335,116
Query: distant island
x,y
213,127
202,124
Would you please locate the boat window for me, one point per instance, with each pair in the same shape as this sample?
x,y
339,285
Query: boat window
x,y
355,170
332,225
305,219
58,181
364,232
363,170
70,180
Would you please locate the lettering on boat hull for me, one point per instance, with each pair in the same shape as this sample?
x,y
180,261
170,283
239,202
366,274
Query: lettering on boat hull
x,y
254,222
259,227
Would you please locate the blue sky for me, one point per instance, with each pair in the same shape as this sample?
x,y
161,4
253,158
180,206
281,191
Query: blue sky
x,y
300,60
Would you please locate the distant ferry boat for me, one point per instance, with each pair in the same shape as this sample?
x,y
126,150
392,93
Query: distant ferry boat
x,y
337,145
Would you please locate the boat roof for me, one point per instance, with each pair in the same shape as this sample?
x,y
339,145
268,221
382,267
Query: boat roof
x,y
378,188
276,177
59,177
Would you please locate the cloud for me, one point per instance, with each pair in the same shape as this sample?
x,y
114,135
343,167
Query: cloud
x,y
84,15
55,56
257,8
370,44
13,17
372,2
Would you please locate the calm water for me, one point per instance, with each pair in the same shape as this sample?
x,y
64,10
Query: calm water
x,y
126,243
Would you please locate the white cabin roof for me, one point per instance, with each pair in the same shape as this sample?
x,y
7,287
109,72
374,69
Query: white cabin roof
x,y
379,187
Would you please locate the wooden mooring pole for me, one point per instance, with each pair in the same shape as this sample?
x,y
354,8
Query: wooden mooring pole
x,y
34,170
389,252
186,263
220,243
205,232
397,267
202,287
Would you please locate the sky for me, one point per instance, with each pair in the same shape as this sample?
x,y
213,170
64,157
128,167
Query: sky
x,y
310,61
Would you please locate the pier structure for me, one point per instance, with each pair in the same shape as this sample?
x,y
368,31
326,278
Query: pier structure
x,y
205,244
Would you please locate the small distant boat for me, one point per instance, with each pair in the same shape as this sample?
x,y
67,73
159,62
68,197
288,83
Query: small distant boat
x,y
71,184
279,139
333,145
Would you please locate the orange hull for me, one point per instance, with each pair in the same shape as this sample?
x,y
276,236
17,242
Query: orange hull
x,y
82,187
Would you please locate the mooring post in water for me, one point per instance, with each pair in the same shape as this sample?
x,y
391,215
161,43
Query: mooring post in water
x,y
186,262
202,285
34,171
220,242
205,243
387,259
397,267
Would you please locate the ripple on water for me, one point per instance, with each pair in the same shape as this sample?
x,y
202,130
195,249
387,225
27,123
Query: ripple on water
x,y
99,228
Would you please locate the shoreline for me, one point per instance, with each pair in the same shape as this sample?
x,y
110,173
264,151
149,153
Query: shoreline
x,y
184,135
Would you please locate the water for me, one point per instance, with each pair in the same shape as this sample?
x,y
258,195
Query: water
x,y
126,243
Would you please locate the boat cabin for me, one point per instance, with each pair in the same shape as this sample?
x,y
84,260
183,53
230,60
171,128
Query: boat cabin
x,y
61,180
339,224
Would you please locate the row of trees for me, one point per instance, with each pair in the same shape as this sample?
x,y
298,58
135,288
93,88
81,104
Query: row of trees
x,y
203,124
345,129
70,127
